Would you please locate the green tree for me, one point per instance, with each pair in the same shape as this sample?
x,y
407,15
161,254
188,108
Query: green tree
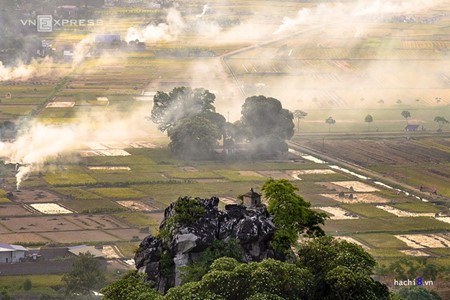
x,y
132,286
180,103
406,114
417,293
194,137
299,114
330,121
266,124
85,275
291,213
368,119
441,121
196,270
228,279
341,270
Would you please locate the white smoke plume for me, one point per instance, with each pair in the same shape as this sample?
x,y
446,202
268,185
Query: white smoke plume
x,y
23,72
166,31
327,13
38,143
204,11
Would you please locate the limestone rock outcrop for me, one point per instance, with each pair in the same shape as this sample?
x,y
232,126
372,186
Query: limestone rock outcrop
x,y
252,228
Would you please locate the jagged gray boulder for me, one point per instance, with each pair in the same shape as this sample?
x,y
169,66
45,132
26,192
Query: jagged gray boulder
x,y
252,228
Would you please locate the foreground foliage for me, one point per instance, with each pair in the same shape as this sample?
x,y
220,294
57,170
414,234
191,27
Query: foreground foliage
x,y
292,214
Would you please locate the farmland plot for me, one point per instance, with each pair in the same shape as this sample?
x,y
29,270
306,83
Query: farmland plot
x,y
50,208
355,186
402,213
136,205
357,198
338,213
418,241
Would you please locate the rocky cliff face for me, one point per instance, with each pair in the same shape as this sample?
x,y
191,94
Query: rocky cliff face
x,y
252,228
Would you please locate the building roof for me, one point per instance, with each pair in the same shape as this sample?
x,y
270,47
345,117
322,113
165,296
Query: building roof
x,y
77,250
9,248
412,126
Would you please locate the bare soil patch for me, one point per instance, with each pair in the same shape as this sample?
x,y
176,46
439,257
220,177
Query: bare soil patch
x,y
351,240
276,175
128,234
338,213
357,198
35,195
402,213
250,174
415,253
15,238
418,241
355,186
136,205
80,236
62,104
13,210
38,224
96,222
106,168
50,208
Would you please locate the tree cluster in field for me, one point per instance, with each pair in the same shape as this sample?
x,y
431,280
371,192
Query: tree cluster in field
x,y
195,128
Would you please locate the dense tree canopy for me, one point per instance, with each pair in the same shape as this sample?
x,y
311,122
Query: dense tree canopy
x,y
180,103
228,280
266,125
132,286
85,276
292,214
194,137
341,270
264,116
417,293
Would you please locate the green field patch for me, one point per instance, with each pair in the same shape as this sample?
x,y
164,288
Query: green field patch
x,y
128,177
169,192
77,193
41,284
118,193
93,206
385,253
28,100
17,110
138,219
392,224
440,251
69,179
239,176
366,210
193,175
2,193
4,200
128,249
381,240
418,207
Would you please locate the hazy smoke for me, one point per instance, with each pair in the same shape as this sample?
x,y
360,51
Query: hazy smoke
x,y
38,143
166,31
22,71
328,13
205,10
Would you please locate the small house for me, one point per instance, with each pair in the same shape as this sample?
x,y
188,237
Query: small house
x,y
411,127
8,96
11,253
252,199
